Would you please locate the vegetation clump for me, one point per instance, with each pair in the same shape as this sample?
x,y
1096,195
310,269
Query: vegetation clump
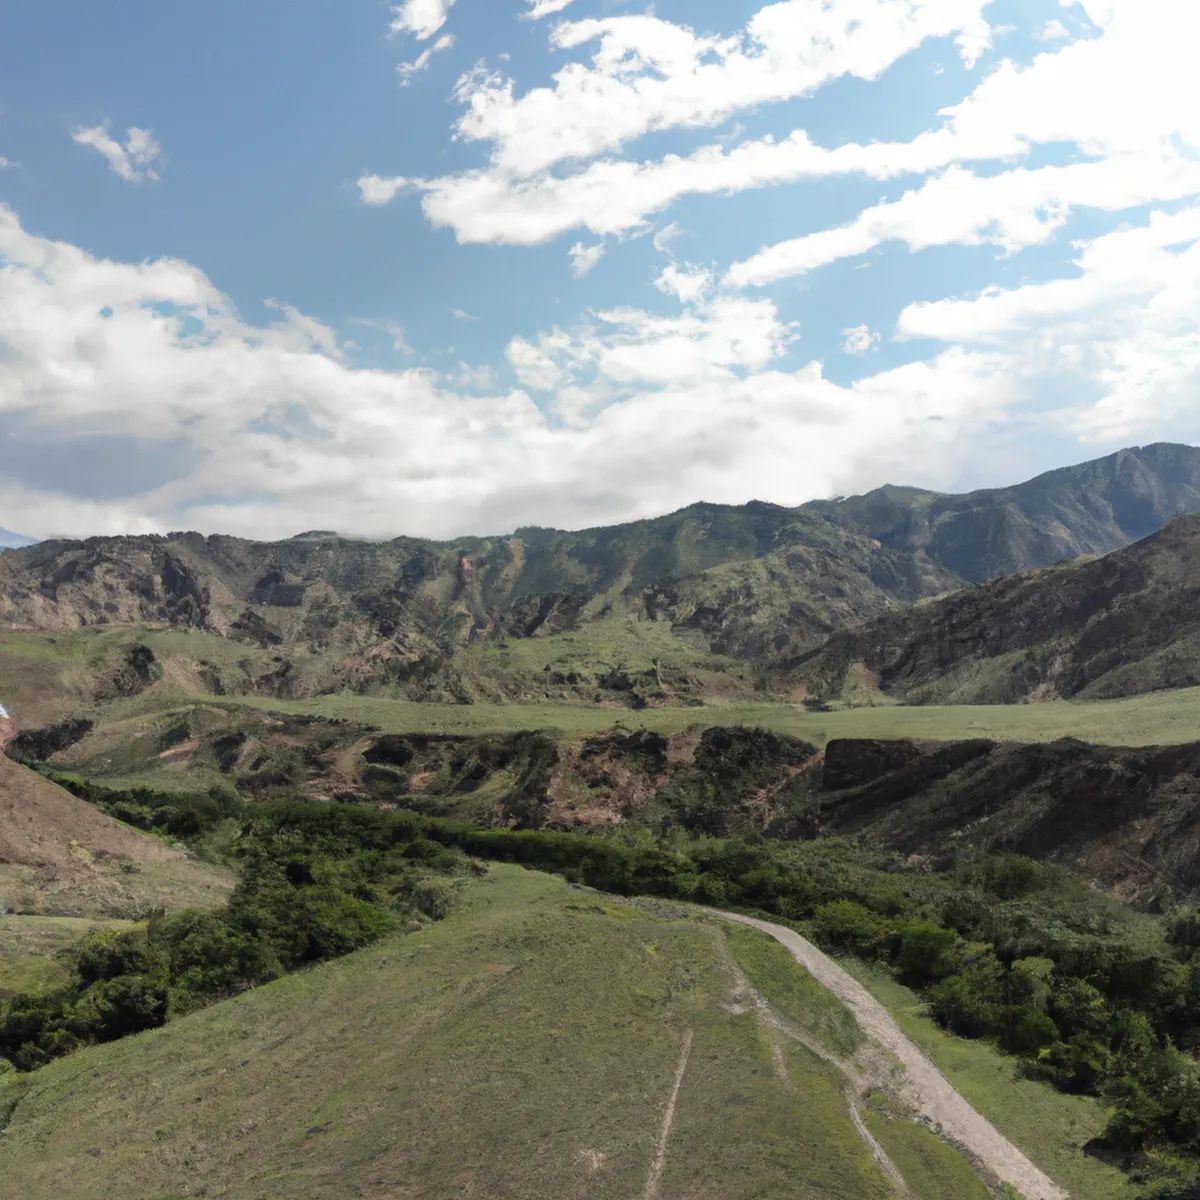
x,y
307,893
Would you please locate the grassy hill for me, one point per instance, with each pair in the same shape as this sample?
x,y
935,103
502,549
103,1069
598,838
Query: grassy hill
x,y
1120,625
67,869
541,1041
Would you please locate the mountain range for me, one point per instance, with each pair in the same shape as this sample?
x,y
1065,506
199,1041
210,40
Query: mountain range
x,y
760,583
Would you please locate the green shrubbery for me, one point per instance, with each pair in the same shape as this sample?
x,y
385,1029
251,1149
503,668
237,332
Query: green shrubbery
x,y
309,890
183,815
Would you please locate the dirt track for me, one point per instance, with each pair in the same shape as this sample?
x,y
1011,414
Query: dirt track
x,y
924,1087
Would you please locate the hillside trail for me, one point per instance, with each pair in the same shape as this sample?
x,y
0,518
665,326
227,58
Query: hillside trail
x,y
923,1087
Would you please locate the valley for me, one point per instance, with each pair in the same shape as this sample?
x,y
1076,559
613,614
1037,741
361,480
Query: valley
x,y
348,1078
284,829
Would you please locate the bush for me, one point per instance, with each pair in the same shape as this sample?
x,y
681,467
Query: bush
x,y
845,925
927,953
434,897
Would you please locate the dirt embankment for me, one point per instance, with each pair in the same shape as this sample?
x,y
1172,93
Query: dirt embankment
x,y
42,825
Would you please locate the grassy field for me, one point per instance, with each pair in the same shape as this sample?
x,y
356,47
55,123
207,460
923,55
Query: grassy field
x,y
527,1046
791,990
932,1170
1157,719
1051,1127
44,676
30,949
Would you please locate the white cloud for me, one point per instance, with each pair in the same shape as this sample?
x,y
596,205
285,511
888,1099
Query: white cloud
x,y
648,74
1123,329
406,70
5,163
460,314
303,333
262,430
1053,31
546,8
1133,141
1063,98
666,236
859,339
134,161
534,365
421,18
478,379
1012,210
376,190
687,283
584,258
630,347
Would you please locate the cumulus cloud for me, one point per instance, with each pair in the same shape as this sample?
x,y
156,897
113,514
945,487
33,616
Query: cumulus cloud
x,y
687,283
376,190
263,430
406,70
859,339
584,258
134,161
1053,31
421,18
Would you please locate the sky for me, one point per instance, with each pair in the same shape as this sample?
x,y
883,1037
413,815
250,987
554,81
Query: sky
x,y
437,267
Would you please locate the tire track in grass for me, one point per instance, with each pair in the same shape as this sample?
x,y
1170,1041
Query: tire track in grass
x,y
654,1178
924,1088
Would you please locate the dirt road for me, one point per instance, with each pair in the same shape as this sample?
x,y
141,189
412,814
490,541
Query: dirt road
x,y
924,1087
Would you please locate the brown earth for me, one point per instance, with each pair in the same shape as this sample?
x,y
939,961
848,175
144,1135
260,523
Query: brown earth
x,y
60,856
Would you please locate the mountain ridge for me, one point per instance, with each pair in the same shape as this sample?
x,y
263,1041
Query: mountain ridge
x,y
1117,625
761,583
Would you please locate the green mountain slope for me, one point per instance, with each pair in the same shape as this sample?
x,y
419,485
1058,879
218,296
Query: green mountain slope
x,y
1120,625
1090,508
542,1042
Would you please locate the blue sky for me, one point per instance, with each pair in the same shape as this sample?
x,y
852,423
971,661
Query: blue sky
x,y
445,265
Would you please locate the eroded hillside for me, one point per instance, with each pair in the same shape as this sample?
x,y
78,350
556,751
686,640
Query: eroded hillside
x,y
1119,625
